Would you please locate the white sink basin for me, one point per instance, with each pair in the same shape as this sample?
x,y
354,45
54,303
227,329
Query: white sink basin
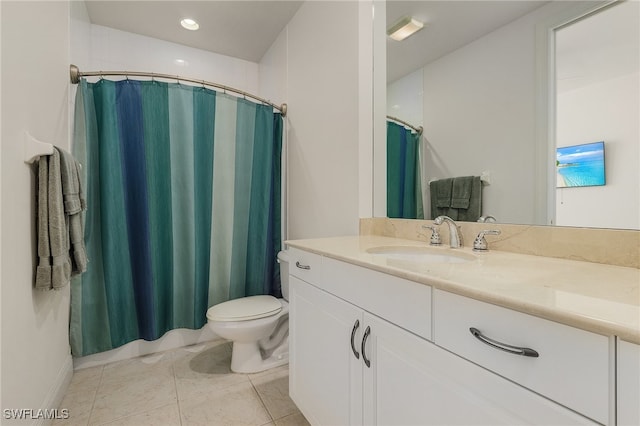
x,y
421,254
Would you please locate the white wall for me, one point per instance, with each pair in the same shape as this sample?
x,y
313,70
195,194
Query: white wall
x,y
323,91
607,111
111,49
36,363
405,98
479,116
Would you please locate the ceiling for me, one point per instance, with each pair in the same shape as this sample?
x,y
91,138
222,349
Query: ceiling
x,y
241,29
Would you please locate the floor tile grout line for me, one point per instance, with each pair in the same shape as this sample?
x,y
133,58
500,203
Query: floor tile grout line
x,y
95,395
175,384
264,405
137,411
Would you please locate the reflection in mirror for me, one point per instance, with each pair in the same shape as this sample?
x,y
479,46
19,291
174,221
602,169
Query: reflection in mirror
x,y
597,98
404,187
469,78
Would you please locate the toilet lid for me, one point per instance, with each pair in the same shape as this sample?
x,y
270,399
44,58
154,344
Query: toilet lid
x,y
245,308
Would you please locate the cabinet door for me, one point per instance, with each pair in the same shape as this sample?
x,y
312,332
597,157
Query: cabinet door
x,y
325,379
628,384
411,381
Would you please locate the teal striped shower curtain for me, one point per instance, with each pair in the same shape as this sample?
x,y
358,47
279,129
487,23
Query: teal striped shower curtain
x,y
183,207
404,187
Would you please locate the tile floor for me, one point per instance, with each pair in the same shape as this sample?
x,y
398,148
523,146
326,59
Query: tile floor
x,y
187,386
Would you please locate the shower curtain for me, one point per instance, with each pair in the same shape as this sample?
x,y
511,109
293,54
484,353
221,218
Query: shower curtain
x,y
404,188
183,207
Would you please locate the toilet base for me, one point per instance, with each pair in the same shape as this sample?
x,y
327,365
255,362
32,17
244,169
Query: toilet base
x,y
246,357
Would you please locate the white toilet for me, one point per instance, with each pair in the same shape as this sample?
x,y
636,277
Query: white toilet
x,y
258,326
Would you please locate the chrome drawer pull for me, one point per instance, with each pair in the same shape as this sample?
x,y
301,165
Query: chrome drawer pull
x,y
301,266
364,342
503,346
353,335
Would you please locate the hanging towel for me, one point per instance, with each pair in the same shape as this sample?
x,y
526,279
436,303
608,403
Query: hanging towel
x,y
461,192
440,197
56,227
474,207
54,268
74,204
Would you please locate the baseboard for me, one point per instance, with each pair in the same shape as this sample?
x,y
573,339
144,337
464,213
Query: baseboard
x,y
57,391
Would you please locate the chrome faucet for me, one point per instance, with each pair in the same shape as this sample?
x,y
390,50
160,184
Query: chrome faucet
x,y
487,218
455,239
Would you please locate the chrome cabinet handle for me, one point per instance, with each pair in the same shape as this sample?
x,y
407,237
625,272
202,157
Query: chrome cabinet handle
x,y
516,350
353,335
301,266
364,342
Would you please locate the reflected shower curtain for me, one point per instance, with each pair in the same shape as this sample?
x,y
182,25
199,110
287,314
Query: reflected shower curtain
x,y
183,208
404,188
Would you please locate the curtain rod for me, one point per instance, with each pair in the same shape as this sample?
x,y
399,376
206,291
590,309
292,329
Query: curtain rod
x,y
76,74
417,129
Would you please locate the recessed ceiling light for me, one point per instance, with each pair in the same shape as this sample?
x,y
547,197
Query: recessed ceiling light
x,y
404,28
189,24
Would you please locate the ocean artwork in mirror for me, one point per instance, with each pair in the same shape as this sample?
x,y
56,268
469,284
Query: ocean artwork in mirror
x,y
581,165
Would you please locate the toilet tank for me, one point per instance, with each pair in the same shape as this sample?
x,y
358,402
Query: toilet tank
x,y
283,260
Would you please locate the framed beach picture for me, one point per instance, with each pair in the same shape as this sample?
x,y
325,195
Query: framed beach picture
x,y
580,165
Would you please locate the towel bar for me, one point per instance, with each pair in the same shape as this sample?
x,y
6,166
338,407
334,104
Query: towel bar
x,y
485,178
33,148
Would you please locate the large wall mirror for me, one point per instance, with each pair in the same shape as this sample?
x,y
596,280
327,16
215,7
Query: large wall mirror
x,y
516,92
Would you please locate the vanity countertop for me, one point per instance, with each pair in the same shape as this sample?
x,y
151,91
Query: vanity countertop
x,y
600,298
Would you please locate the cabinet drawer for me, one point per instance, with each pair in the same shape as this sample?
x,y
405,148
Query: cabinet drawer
x,y
306,266
572,367
402,302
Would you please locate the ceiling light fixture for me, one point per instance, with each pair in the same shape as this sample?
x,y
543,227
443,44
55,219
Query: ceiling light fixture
x,y
404,28
189,24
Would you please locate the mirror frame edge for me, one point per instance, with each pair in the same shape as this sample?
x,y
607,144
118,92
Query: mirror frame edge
x,y
379,108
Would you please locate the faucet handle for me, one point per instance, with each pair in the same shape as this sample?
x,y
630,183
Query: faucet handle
x,y
480,243
435,239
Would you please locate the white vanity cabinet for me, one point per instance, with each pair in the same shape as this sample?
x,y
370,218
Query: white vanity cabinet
x,y
324,375
628,384
360,354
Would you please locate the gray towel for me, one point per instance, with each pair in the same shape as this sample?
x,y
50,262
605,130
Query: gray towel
x,y
56,228
465,198
474,209
54,268
74,204
440,197
461,192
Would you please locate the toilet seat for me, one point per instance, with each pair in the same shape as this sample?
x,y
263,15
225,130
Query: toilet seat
x,y
245,309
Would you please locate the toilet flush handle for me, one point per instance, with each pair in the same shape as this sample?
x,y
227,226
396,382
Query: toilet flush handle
x,y
301,266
